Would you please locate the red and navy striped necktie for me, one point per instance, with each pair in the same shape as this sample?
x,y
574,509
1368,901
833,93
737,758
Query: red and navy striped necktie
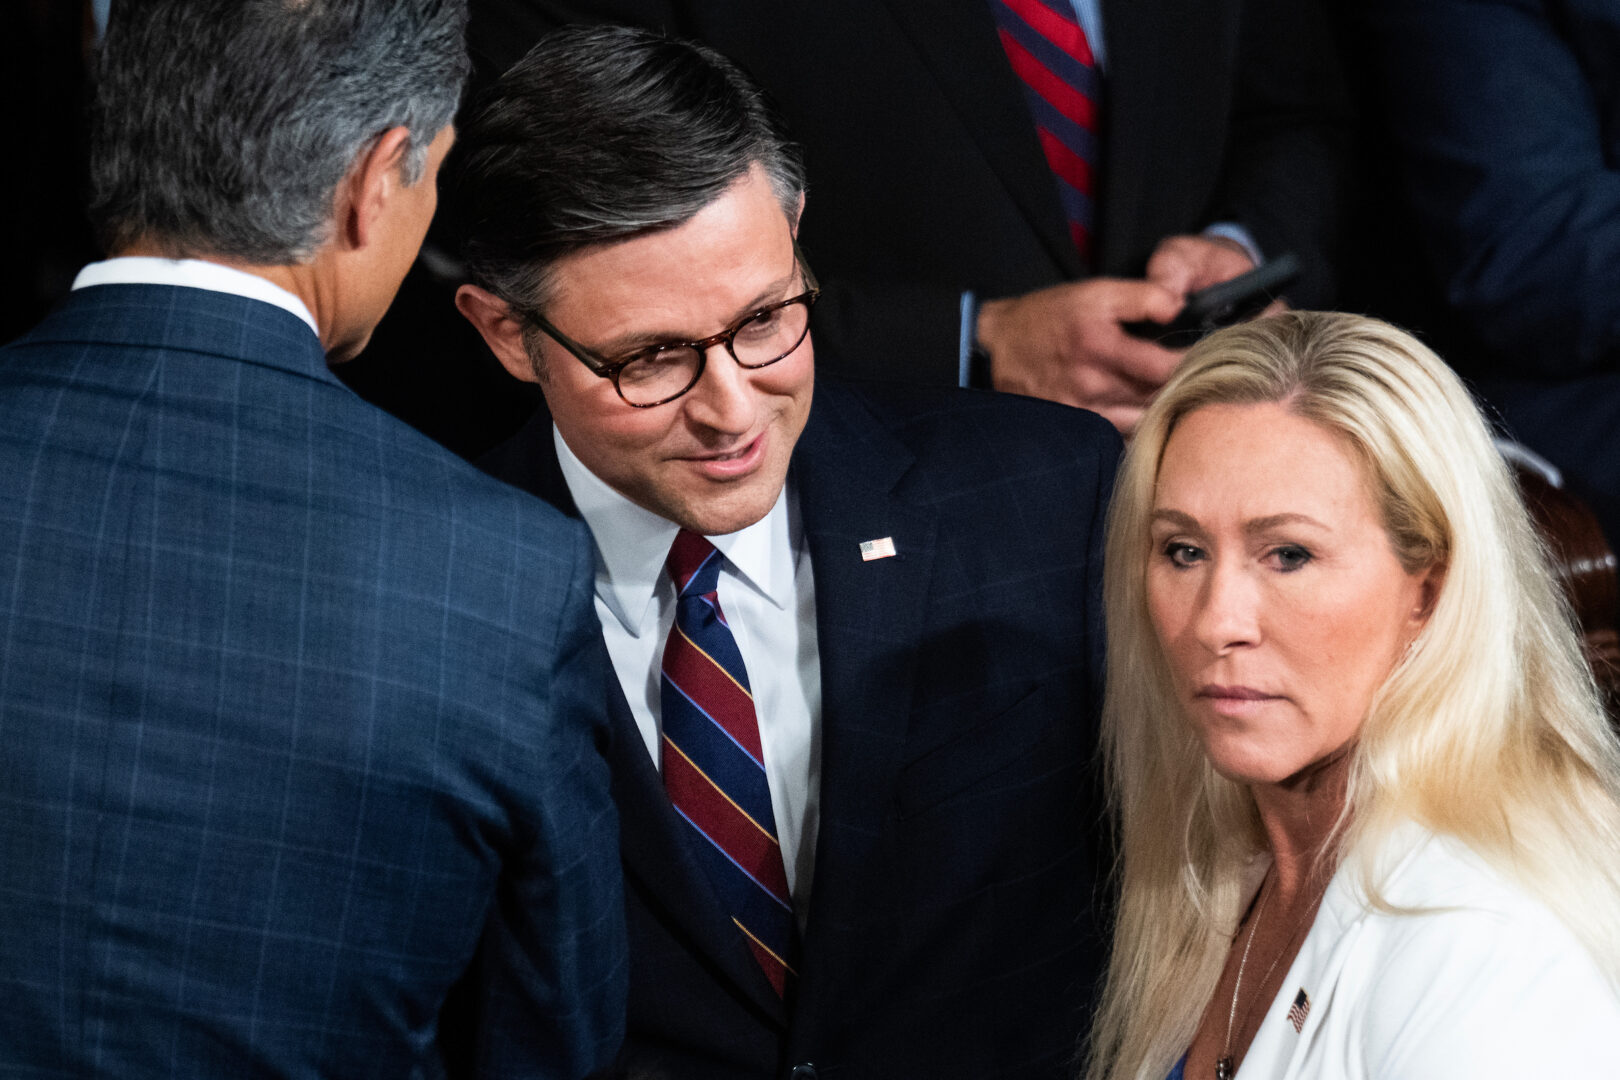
x,y
714,767
1049,53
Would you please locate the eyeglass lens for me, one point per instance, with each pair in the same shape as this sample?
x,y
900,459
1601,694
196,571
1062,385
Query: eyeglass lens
x,y
661,373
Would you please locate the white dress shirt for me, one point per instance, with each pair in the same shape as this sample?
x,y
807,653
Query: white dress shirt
x,y
192,274
1088,13
767,591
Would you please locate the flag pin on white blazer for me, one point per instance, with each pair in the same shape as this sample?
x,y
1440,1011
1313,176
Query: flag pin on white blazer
x,y
881,548
1299,1010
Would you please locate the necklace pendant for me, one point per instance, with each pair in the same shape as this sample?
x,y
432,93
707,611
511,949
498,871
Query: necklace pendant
x,y
1223,1067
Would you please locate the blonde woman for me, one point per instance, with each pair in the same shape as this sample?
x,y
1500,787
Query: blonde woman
x,y
1370,806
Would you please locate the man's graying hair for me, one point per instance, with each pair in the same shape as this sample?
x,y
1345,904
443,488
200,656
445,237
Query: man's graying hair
x,y
601,134
223,127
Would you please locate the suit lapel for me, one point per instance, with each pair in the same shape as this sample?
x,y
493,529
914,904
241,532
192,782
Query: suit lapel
x,y
656,856
1134,77
652,839
868,616
957,42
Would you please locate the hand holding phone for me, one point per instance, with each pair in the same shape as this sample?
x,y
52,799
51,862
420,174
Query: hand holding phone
x,y
1221,304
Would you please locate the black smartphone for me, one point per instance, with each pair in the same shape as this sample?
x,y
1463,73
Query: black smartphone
x,y
1222,304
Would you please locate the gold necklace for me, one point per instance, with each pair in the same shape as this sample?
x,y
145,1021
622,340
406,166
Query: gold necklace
x,y
1224,1067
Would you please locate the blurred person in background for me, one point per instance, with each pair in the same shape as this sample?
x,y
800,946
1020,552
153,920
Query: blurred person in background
x,y
998,187
1501,121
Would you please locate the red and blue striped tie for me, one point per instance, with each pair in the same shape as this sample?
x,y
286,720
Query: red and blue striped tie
x,y
1049,53
714,768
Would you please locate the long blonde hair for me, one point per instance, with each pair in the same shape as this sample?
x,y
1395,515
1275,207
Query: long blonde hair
x,y
1489,730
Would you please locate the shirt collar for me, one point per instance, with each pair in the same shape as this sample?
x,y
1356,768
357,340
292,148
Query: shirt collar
x,y
633,542
194,274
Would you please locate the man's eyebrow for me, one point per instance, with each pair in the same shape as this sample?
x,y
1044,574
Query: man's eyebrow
x,y
1254,525
641,339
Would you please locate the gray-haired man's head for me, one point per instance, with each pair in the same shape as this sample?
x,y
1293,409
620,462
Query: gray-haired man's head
x,y
223,127
604,133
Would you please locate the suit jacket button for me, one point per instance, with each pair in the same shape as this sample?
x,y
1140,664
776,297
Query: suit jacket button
x,y
805,1071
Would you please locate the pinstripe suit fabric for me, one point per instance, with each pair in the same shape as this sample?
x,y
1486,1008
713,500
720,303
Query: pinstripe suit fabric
x,y
297,716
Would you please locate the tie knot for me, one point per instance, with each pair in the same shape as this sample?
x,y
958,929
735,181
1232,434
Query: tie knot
x,y
693,564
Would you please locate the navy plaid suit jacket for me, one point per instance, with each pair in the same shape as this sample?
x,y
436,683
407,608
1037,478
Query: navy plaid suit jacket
x,y
298,716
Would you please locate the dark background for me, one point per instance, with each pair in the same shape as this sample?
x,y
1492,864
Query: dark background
x,y
471,404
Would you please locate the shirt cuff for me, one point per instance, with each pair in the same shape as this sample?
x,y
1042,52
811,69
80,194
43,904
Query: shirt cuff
x,y
964,341
1231,230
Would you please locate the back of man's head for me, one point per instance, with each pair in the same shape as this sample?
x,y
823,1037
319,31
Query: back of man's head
x,y
603,133
223,127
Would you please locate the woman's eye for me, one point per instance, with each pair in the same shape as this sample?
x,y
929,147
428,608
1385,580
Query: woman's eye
x,y
1181,554
1290,557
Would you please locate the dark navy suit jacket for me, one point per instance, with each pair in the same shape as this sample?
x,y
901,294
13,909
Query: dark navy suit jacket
x,y
297,715
956,926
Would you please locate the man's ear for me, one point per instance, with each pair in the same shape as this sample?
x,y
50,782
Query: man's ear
x,y
502,331
797,214
372,183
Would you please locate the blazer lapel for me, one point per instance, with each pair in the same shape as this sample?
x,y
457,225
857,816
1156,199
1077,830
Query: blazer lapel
x,y
652,839
1279,1050
657,857
868,616
1149,122
1134,78
958,43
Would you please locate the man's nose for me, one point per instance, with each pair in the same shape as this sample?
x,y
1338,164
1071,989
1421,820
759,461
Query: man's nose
x,y
723,398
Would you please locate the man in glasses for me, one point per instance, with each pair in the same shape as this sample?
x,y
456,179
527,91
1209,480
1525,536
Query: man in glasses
x,y
855,633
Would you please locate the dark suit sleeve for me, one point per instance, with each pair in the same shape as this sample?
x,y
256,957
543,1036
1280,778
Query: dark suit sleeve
x,y
1502,146
550,1002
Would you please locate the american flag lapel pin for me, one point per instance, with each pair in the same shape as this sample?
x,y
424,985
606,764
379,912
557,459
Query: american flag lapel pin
x,y
1299,1010
881,548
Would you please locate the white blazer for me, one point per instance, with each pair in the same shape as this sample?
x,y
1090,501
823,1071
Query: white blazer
x,y
1491,986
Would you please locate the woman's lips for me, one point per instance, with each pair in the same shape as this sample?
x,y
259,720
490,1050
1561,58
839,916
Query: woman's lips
x,y
1235,700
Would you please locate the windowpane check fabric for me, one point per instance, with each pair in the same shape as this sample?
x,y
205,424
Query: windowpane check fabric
x,y
1051,57
713,764
299,716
